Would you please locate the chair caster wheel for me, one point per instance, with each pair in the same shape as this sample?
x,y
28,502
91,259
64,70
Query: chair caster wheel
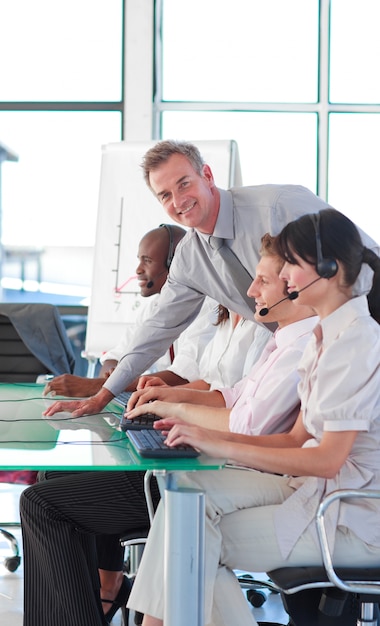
x,y
256,598
12,563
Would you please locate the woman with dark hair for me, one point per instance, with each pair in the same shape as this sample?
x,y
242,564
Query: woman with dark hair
x,y
342,246
263,519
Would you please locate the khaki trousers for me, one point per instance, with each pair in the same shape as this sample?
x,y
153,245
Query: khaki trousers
x,y
240,534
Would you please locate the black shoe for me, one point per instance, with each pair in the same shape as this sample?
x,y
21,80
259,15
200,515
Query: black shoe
x,y
120,601
138,618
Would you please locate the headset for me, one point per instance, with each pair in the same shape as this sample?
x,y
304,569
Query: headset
x,y
171,244
326,267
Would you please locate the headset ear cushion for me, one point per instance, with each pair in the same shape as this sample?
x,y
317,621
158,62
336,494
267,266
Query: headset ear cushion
x,y
327,268
169,258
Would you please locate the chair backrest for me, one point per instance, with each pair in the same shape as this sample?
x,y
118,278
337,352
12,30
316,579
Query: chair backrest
x,y
17,362
33,341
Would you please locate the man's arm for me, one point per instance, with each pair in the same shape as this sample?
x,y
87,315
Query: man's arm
x,y
172,315
73,386
79,386
194,341
177,306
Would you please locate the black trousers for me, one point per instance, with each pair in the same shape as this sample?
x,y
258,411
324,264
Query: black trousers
x,y
109,549
62,518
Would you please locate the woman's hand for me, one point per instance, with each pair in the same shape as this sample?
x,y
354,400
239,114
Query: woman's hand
x,y
148,394
150,381
210,442
162,409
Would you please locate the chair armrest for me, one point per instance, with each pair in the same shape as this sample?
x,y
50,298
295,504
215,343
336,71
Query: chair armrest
x,y
148,495
352,586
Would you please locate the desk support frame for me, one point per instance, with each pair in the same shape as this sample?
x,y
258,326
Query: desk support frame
x,y
184,559
29,441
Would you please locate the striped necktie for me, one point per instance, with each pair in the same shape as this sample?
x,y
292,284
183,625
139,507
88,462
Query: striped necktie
x,y
171,352
239,273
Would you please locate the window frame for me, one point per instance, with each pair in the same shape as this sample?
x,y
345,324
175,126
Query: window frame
x,y
323,107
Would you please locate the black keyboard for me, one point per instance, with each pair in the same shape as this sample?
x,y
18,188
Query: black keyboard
x,y
142,421
150,443
122,398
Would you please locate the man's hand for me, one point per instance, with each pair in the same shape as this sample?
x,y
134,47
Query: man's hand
x,y
73,386
92,406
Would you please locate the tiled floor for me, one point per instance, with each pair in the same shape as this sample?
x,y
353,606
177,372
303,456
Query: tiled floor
x,y
11,584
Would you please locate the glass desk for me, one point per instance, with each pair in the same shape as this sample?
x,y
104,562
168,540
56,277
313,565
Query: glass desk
x,y
29,441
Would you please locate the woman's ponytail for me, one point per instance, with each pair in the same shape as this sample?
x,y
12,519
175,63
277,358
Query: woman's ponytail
x,y
371,258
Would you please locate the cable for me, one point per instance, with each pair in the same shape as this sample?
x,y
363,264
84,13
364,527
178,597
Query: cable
x,y
24,399
40,398
58,419
22,383
66,443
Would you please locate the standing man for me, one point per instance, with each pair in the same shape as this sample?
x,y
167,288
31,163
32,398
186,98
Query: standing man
x,y
238,217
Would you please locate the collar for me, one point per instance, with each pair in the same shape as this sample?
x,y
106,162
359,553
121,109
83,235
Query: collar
x,y
287,335
335,323
224,226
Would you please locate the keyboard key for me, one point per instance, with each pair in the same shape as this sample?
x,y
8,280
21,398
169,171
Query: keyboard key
x,y
122,398
150,443
143,421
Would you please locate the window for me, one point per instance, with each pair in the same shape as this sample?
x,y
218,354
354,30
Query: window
x,y
273,147
61,51
50,195
61,98
246,51
294,82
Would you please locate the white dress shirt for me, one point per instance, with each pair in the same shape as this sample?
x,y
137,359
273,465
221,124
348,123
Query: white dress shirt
x,y
266,400
232,352
188,348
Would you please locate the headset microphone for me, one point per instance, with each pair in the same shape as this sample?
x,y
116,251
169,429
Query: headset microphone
x,y
326,267
150,282
292,296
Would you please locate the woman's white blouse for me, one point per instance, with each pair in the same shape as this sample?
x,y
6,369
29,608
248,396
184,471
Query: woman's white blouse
x,y
339,390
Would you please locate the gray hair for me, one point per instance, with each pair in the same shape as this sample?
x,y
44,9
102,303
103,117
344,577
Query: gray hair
x,y
163,150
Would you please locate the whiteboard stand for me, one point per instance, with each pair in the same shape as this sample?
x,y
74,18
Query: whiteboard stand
x,y
92,362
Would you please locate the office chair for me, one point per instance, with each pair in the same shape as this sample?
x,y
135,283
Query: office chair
x,y
33,341
135,540
328,596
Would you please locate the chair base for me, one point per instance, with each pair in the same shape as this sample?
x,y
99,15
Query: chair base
x,y
11,562
324,606
256,590
304,609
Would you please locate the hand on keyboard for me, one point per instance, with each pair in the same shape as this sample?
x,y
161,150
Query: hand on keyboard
x,y
150,443
142,421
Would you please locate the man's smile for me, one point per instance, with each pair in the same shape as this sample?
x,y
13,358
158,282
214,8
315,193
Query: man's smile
x,y
187,209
